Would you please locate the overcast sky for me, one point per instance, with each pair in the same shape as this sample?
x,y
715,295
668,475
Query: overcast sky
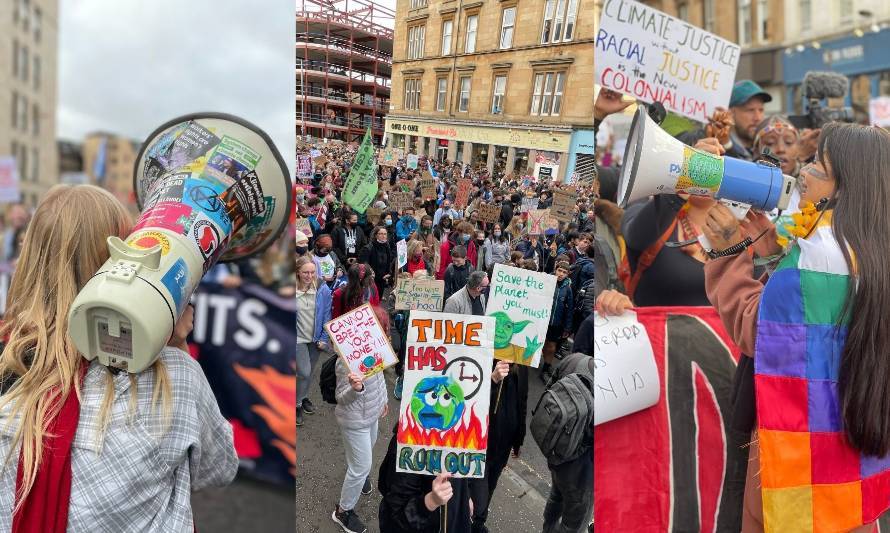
x,y
128,66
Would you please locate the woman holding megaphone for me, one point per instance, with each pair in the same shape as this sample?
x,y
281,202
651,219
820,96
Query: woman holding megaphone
x,y
819,453
88,447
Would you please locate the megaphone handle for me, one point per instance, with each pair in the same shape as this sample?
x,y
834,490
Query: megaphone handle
x,y
704,242
738,209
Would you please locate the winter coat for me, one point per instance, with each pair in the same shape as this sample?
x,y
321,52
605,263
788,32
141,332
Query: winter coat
x,y
460,303
561,314
456,278
359,409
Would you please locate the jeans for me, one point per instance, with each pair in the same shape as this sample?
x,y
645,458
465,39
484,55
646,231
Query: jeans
x,y
307,356
359,445
571,496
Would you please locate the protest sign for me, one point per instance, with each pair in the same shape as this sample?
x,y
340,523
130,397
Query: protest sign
x,y
536,218
402,253
551,223
411,160
563,205
361,184
428,187
389,157
361,342
546,172
303,226
489,213
520,301
652,56
879,111
463,192
314,153
9,180
399,200
373,214
320,161
420,294
243,339
443,416
528,204
626,380
304,167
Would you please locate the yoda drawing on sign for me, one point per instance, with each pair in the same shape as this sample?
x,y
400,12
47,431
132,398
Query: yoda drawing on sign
x,y
505,330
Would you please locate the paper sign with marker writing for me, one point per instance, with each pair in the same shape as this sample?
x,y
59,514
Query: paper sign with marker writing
x,y
402,252
520,301
625,377
653,56
443,416
360,340
411,160
420,294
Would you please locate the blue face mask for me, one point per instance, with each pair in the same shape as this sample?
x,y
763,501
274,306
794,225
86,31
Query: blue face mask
x,y
388,222
466,238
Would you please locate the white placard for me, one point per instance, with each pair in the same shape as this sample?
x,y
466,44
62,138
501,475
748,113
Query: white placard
x,y
653,56
879,111
402,252
625,377
9,181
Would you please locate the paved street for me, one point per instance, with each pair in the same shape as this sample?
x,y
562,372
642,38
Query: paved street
x,y
245,506
517,506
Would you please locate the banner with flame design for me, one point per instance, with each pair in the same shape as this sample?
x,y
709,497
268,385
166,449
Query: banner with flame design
x,y
443,418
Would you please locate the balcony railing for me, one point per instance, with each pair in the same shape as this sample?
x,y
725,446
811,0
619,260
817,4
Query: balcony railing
x,y
359,123
340,96
340,70
343,45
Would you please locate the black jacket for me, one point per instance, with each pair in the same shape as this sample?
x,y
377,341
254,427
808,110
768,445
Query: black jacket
x,y
380,256
584,336
507,426
339,238
506,213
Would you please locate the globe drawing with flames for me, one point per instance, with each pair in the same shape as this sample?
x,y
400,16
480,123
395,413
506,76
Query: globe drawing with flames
x,y
438,402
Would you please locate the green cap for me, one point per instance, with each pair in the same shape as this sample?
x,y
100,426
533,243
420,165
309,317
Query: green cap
x,y
744,90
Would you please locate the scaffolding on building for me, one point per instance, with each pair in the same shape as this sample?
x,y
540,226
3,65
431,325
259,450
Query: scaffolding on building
x,y
343,68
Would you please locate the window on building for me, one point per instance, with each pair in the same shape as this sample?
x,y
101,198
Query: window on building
x,y
26,62
417,4
447,28
15,111
416,35
708,14
472,26
36,74
26,14
571,15
683,11
35,164
806,15
35,120
762,15
15,58
23,113
38,23
464,103
508,22
412,94
497,97
14,149
547,93
846,11
744,22
547,31
23,162
441,92
559,21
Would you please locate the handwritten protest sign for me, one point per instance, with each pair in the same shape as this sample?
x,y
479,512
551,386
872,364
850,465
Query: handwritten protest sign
x,y
652,56
411,160
361,342
373,214
320,161
879,111
625,376
420,294
563,205
489,213
463,192
443,416
528,204
520,301
551,223
390,157
536,219
402,253
400,200
304,167
428,186
303,225
9,180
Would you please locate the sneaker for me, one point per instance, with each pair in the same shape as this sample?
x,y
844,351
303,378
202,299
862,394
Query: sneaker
x,y
398,391
366,488
308,408
349,521
299,416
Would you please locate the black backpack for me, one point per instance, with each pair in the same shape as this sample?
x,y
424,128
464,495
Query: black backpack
x,y
327,380
562,421
585,299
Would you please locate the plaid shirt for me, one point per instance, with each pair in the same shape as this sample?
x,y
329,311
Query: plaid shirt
x,y
141,478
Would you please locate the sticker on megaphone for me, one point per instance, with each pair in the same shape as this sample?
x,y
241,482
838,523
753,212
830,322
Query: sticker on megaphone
x,y
212,188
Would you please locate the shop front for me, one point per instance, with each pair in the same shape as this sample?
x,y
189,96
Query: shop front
x,y
581,161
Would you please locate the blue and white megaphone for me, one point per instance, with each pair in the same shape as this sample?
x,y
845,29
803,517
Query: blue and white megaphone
x,y
657,163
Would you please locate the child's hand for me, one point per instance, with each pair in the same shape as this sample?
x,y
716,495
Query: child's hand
x,y
356,381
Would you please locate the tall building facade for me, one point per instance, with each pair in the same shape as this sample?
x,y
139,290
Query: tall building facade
x,y
28,56
344,65
506,85
108,161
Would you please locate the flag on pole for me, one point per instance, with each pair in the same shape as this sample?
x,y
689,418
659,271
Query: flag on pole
x,y
429,166
361,185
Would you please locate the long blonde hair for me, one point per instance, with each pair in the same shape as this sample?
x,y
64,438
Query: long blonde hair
x,y
63,248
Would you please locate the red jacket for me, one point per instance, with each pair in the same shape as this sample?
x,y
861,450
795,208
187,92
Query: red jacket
x,y
337,307
445,256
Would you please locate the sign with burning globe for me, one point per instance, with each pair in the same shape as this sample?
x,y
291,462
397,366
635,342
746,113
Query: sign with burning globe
x,y
443,418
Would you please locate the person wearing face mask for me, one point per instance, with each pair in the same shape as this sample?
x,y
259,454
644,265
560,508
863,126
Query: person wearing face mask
x,y
533,249
426,226
349,239
497,248
515,229
302,242
443,228
480,250
327,264
380,256
406,225
446,209
458,271
461,236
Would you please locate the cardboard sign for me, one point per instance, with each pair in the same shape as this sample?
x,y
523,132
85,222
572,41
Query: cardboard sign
x,y
411,160
361,342
551,223
420,294
463,192
401,200
390,157
652,56
402,253
428,187
536,221
489,213
625,374
443,416
563,205
520,301
373,214
320,161
529,204
302,225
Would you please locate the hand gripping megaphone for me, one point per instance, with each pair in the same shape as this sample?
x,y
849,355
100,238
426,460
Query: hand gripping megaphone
x,y
656,163
214,188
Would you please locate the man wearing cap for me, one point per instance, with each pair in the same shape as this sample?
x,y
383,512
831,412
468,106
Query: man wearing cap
x,y
746,106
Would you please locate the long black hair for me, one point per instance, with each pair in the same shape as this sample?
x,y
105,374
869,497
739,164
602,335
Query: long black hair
x,y
360,279
859,158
